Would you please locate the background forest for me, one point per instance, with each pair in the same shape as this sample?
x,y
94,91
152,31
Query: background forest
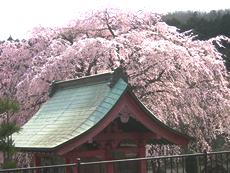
x,y
204,26
182,78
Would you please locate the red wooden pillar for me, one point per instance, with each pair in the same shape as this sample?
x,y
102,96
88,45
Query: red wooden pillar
x,y
141,154
37,162
67,161
76,168
108,156
109,167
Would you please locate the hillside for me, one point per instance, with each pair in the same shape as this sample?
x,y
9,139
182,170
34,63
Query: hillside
x,y
205,26
182,80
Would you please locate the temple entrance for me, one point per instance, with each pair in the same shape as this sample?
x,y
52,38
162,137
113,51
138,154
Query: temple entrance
x,y
94,168
127,166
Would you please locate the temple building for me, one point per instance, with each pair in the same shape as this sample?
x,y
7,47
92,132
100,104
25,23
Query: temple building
x,y
94,118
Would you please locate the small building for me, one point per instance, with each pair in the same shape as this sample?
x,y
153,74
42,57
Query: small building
x,y
94,118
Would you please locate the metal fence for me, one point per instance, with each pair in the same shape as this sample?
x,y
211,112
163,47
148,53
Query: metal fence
x,y
213,162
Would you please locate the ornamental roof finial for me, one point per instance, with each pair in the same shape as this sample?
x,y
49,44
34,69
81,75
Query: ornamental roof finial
x,y
118,73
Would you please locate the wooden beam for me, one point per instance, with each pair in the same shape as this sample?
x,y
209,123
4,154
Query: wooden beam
x,y
127,150
119,136
44,154
90,153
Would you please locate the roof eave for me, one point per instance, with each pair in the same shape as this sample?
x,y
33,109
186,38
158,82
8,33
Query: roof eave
x,y
150,114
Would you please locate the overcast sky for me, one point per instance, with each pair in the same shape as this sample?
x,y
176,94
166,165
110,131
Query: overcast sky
x,y
18,17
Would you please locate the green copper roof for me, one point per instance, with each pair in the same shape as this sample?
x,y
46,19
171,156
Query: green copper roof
x,y
74,107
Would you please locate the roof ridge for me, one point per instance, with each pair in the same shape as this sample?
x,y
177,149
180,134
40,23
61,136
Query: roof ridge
x,y
78,81
84,77
112,77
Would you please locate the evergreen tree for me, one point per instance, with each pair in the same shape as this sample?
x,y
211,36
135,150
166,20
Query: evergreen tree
x,y
7,108
205,25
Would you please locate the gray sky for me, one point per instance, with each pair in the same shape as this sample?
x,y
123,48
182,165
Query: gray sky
x,y
18,17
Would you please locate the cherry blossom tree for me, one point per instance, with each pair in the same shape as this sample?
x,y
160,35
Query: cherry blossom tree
x,y
182,80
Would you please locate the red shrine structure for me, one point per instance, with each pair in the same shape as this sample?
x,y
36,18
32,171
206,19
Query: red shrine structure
x,y
94,118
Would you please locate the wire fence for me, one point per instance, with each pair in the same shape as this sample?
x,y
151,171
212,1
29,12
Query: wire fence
x,y
213,162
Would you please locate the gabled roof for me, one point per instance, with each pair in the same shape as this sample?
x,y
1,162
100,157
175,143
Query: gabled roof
x,y
78,107
74,107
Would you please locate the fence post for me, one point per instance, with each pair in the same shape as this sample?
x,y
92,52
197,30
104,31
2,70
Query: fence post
x,y
78,165
76,168
205,161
